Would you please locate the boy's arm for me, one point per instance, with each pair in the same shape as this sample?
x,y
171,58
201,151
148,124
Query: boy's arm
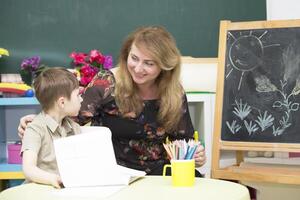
x,y
35,174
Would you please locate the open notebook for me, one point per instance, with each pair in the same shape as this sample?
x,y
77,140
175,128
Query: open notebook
x,y
88,159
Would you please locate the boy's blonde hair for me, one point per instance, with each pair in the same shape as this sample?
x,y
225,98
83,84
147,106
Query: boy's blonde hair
x,y
53,83
161,46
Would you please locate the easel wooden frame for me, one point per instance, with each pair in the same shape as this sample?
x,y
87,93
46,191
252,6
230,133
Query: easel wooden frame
x,y
241,171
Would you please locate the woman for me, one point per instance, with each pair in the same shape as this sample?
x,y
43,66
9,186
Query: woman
x,y
143,104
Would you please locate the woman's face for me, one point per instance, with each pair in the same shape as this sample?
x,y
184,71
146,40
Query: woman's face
x,y
142,67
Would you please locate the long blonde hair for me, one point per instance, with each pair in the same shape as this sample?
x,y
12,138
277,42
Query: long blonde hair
x,y
161,46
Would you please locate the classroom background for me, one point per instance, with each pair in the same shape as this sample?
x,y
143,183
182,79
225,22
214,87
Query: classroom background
x,y
54,29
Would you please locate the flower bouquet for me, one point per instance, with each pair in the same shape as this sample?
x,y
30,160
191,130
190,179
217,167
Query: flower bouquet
x,y
88,65
30,68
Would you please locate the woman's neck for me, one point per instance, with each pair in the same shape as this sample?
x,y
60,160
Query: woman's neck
x,y
148,92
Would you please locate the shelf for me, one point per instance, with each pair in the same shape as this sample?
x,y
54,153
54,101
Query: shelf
x,y
263,160
5,167
199,96
10,171
201,102
15,101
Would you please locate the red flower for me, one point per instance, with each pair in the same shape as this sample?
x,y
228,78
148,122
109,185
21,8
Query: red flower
x,y
87,73
89,64
85,80
79,58
96,56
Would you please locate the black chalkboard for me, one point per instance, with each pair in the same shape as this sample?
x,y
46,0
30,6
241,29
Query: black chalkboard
x,y
54,28
257,98
262,86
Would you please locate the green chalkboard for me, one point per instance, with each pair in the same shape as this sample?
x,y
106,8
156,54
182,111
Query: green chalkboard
x,y
54,28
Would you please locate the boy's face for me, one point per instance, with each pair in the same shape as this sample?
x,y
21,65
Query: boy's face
x,y
73,104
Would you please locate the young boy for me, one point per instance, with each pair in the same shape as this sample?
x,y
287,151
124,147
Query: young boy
x,y
57,90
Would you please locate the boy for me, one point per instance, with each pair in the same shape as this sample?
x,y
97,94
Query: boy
x,y
57,90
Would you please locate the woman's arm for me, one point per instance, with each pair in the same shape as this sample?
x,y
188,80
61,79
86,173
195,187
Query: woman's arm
x,y
186,127
35,174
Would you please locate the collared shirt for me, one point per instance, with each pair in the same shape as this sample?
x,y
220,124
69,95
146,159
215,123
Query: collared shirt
x,y
39,136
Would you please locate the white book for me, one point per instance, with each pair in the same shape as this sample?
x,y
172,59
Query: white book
x,y
88,159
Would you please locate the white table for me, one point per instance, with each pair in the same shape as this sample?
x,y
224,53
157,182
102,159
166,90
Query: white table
x,y
148,188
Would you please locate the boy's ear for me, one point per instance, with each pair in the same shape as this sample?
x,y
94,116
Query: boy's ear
x,y
61,102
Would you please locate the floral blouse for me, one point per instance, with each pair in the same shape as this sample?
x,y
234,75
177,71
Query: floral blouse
x,y
137,141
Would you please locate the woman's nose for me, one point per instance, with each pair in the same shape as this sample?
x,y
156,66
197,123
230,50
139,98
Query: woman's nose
x,y
139,67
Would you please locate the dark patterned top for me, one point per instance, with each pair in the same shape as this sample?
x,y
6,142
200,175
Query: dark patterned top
x,y
137,141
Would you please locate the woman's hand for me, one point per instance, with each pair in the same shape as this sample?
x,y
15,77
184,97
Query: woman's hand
x,y
23,123
200,157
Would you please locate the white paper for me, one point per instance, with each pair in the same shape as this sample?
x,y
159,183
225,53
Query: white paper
x,y
88,159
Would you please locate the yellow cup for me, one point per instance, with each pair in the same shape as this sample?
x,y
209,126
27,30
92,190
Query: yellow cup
x,y
182,172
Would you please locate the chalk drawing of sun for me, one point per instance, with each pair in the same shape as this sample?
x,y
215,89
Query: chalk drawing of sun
x,y
246,53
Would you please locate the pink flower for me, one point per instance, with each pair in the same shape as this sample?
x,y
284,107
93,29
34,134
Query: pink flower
x,y
89,64
85,80
85,70
79,58
87,73
96,56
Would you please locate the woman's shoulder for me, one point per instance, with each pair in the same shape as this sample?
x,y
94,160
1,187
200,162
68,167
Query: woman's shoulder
x,y
99,91
104,78
106,75
183,95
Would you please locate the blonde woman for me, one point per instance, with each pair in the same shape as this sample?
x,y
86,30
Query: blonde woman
x,y
143,103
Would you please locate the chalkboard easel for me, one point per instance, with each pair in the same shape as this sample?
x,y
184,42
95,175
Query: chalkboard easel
x,y
257,98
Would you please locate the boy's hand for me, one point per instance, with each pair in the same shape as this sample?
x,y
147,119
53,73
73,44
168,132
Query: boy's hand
x,y
56,181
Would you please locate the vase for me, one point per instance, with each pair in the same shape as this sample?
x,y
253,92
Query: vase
x,y
26,77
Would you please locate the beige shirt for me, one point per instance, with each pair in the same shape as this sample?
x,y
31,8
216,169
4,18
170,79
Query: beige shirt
x,y
39,136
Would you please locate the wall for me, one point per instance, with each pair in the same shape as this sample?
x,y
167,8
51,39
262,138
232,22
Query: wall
x,y
53,29
287,9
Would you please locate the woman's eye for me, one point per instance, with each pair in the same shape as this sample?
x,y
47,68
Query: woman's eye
x,y
149,64
134,58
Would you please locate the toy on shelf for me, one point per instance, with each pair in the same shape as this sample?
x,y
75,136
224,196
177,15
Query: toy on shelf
x,y
11,85
17,88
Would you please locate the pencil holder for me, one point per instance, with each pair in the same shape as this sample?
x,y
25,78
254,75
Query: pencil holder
x,y
182,172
